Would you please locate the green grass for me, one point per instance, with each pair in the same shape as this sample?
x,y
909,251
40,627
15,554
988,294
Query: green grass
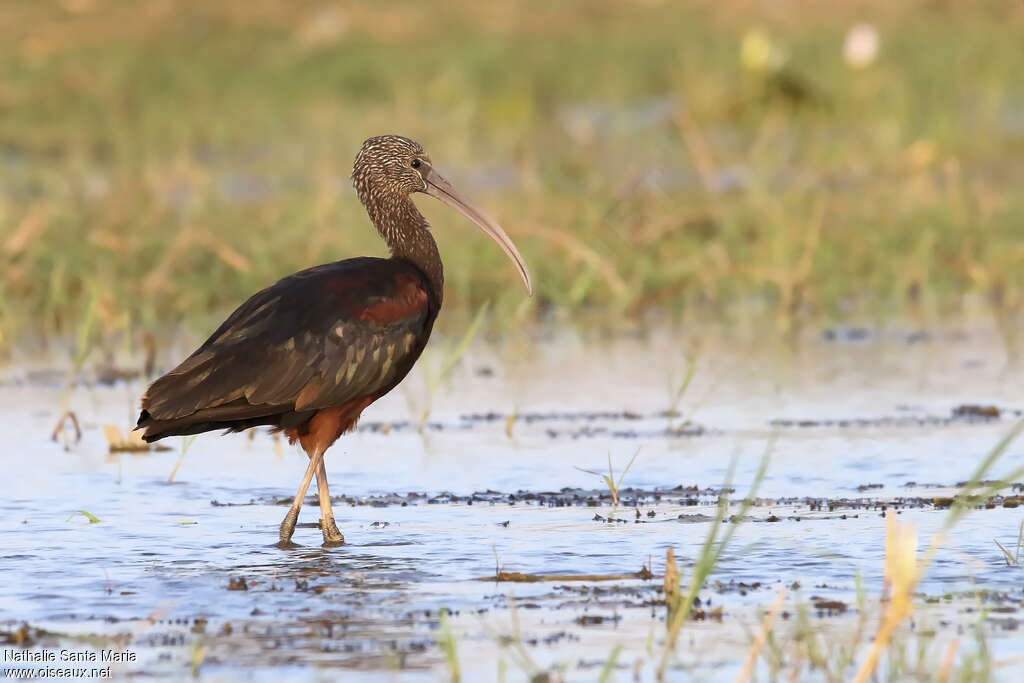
x,y
93,519
1013,559
449,647
679,603
159,164
799,646
913,652
613,484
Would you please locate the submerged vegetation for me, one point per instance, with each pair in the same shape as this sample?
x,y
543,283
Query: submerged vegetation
x,y
159,162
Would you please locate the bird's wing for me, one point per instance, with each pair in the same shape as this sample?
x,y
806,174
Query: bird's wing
x,y
313,340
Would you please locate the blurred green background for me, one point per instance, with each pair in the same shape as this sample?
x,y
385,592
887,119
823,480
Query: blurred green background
x,y
161,160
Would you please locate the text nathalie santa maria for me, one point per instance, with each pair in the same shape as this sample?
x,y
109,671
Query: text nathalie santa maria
x,y
49,656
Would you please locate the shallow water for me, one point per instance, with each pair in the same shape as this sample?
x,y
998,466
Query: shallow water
x,y
859,421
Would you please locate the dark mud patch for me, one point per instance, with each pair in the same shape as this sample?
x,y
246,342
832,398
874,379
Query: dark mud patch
x,y
961,414
650,505
668,424
629,497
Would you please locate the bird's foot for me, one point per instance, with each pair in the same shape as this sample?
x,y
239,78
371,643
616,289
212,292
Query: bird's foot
x,y
332,536
288,528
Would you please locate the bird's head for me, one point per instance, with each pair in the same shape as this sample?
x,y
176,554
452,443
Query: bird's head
x,y
390,168
389,165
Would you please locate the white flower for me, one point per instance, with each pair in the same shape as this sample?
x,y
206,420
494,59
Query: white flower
x,y
861,45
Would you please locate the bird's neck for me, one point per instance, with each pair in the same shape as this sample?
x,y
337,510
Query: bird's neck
x,y
407,234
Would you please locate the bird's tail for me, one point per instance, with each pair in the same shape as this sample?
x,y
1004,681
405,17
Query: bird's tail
x,y
234,418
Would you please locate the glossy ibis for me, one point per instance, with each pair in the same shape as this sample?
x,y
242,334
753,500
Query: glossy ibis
x,y
308,354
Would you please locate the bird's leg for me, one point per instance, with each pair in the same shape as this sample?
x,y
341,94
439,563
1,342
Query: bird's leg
x,y
332,537
288,525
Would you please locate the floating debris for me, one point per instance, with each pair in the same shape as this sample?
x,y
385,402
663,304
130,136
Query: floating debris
x,y
972,412
23,636
518,577
828,607
60,429
131,442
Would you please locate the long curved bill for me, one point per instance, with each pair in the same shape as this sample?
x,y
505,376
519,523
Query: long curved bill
x,y
439,188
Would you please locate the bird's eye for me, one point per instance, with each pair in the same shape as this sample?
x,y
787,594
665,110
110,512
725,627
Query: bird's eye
x,y
415,163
